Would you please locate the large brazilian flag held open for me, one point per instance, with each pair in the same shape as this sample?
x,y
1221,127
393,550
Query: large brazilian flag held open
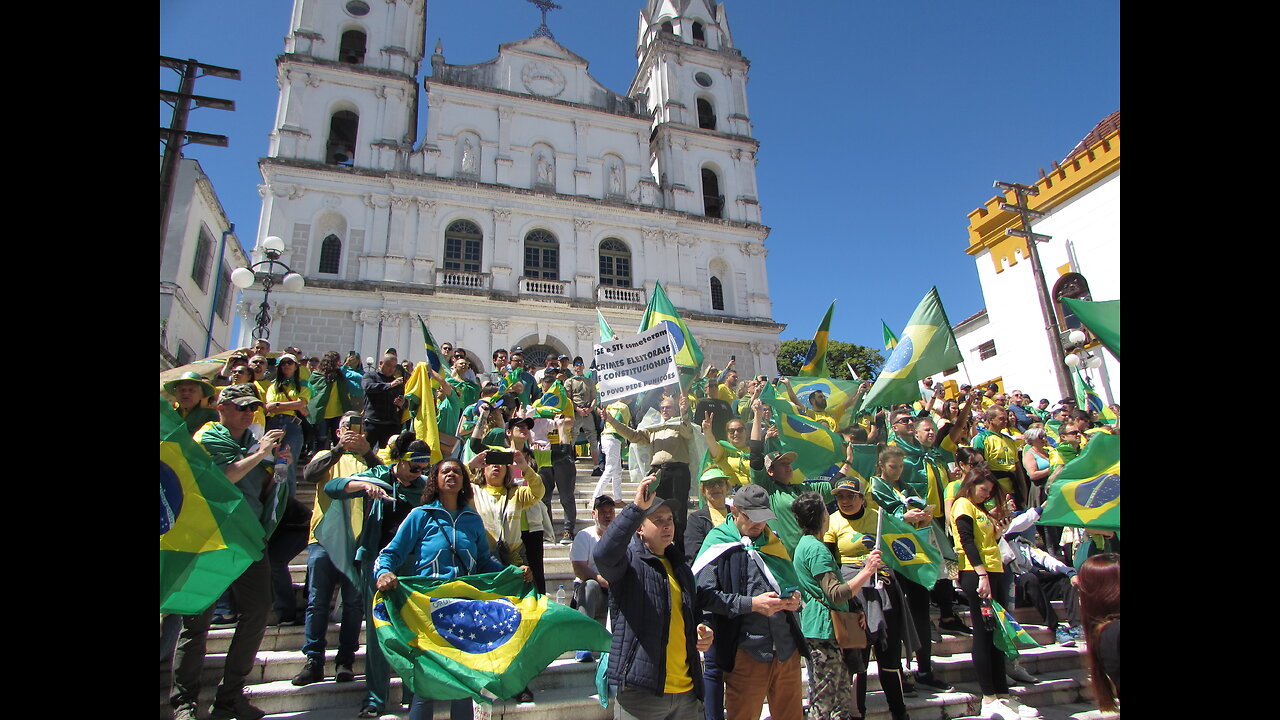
x,y
208,535
451,639
660,310
1086,493
927,346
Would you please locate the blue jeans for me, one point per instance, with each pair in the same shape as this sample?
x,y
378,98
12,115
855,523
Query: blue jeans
x,y
323,576
423,708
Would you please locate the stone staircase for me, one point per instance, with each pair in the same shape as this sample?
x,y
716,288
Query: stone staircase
x,y
566,690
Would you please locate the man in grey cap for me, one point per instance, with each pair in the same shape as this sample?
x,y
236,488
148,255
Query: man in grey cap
x,y
759,642
247,463
655,660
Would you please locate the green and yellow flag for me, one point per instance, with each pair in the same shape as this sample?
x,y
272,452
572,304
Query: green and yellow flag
x,y
452,639
910,551
423,412
432,347
1010,633
890,340
1102,319
1088,399
208,534
660,310
927,346
1086,493
606,332
836,391
815,446
553,402
815,359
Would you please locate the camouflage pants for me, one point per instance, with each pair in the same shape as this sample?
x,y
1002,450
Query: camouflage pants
x,y
830,685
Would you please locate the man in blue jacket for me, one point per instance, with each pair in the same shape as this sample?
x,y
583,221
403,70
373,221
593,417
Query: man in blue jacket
x,y
655,656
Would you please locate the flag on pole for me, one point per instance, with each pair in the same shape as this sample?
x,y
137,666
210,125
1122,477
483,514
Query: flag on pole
x,y
208,533
660,310
460,638
1088,399
927,346
433,349
1087,492
815,359
425,424
890,340
606,332
1102,318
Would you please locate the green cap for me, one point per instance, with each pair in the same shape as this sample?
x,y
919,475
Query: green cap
x,y
714,473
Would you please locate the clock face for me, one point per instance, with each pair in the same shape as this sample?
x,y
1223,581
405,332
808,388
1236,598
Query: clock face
x,y
542,79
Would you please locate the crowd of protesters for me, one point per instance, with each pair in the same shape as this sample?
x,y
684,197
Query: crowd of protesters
x,y
712,609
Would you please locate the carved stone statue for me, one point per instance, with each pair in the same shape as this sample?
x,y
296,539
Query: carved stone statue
x,y
615,179
546,172
470,164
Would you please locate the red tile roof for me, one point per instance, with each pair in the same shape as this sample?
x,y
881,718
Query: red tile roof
x,y
1109,124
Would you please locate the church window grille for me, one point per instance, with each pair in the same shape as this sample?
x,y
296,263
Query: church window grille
x,y
541,255
615,263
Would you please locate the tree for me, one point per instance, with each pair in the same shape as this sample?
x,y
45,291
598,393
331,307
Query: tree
x,y
863,359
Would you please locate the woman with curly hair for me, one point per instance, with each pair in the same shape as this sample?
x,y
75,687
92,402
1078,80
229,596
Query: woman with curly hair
x,y
335,389
1099,584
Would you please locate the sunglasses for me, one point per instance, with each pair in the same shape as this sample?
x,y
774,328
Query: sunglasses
x,y
256,362
899,421
288,362
732,430
417,469
244,408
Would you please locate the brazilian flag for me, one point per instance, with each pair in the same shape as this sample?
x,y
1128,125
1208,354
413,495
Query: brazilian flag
x,y
927,346
1009,633
815,359
433,348
890,340
1088,398
910,551
815,446
836,391
451,639
554,402
208,535
1086,493
660,310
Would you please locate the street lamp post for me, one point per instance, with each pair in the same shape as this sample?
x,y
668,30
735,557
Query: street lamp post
x,y
273,248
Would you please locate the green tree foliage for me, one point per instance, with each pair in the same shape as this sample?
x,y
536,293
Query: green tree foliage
x,y
863,359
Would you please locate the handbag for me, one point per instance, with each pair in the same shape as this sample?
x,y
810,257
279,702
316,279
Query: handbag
x,y
848,629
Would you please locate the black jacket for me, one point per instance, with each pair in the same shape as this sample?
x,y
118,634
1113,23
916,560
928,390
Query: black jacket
x,y
640,601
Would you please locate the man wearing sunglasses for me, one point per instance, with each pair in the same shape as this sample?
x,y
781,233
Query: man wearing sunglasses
x,y
247,463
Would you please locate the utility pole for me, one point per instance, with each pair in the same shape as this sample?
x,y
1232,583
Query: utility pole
x,y
176,135
1026,214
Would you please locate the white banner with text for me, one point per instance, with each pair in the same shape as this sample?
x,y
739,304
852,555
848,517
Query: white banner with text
x,y
631,364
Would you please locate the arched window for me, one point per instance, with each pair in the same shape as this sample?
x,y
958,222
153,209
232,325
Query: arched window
x,y
462,246
712,201
699,35
203,261
1074,286
330,255
667,28
706,115
615,263
541,255
351,47
341,149
717,294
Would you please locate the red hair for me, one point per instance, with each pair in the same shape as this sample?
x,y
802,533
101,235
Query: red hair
x,y
1099,584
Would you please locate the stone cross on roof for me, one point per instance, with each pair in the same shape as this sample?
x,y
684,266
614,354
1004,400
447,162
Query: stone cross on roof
x,y
544,6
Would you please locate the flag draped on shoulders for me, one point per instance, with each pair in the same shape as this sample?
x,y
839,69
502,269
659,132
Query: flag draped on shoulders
x,y
460,638
815,359
208,534
660,310
815,446
927,346
1087,492
425,425
766,550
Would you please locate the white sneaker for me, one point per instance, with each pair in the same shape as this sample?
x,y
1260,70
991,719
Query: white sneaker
x,y
997,709
1025,711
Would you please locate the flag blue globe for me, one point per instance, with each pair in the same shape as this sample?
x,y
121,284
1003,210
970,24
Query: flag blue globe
x,y
904,549
475,626
677,337
1099,491
170,497
900,357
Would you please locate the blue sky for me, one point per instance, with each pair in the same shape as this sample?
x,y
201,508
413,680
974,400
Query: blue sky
x,y
882,125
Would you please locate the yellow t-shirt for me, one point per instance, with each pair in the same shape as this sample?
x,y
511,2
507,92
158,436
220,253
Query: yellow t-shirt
x,y
726,393
285,393
854,539
333,408
984,535
737,466
678,678
346,466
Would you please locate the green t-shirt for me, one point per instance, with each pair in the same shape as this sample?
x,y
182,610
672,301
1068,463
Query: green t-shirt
x,y
812,558
216,440
781,496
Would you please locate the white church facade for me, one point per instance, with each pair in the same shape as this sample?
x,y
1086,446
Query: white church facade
x,y
534,197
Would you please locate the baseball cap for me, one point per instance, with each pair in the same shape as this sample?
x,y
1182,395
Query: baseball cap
x,y
848,484
774,457
714,473
753,501
601,501
241,395
658,503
